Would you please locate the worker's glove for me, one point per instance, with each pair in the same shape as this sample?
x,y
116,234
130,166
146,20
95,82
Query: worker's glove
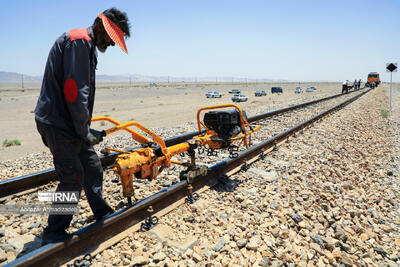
x,y
94,137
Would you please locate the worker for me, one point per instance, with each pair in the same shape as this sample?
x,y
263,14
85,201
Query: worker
x,y
355,85
344,86
64,111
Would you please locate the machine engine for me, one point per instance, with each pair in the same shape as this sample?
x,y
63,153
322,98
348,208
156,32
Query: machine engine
x,y
225,123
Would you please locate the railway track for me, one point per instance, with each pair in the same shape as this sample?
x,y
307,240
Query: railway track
x,y
88,238
28,182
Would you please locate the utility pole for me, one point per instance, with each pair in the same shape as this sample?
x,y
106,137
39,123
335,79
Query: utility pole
x,y
22,81
391,90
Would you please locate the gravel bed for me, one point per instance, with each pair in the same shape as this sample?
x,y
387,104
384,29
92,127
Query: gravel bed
x,y
279,172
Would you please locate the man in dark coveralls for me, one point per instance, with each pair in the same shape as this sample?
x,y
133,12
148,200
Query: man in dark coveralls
x,y
64,111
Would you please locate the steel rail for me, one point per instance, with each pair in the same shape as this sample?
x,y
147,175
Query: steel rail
x,y
88,238
19,184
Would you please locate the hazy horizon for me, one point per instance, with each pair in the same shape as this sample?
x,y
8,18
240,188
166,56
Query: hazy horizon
x,y
131,77
105,78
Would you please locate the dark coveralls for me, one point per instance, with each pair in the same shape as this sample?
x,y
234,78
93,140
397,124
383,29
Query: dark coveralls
x,y
63,115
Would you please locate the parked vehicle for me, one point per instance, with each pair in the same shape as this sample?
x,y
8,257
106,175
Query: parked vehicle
x,y
298,90
234,91
276,90
313,87
260,93
309,89
239,98
213,94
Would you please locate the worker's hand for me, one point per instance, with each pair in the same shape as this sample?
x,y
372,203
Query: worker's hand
x,y
94,137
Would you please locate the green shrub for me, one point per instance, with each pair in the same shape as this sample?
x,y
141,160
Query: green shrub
x,y
7,143
384,113
14,142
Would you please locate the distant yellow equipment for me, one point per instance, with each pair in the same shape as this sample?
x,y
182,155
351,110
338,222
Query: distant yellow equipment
x,y
373,80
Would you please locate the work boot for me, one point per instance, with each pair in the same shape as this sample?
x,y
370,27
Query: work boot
x,y
100,217
54,237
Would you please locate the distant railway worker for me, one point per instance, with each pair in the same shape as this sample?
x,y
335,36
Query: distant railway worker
x,y
345,84
64,111
359,83
355,85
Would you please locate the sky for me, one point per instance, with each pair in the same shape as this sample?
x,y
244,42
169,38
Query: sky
x,y
299,40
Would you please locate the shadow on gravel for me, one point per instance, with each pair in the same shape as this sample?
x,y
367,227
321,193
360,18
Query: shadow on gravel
x,y
225,184
30,246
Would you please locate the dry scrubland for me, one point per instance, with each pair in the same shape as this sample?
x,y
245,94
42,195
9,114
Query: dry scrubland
x,y
329,196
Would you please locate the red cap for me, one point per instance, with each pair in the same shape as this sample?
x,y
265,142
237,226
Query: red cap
x,y
115,33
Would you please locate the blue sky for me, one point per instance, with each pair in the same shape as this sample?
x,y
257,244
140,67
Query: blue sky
x,y
293,40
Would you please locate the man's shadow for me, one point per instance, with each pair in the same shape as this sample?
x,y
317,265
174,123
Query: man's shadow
x,y
30,246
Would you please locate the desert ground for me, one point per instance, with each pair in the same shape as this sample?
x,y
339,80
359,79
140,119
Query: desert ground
x,y
164,105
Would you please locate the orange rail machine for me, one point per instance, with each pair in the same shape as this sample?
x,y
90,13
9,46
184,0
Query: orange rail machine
x,y
219,130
